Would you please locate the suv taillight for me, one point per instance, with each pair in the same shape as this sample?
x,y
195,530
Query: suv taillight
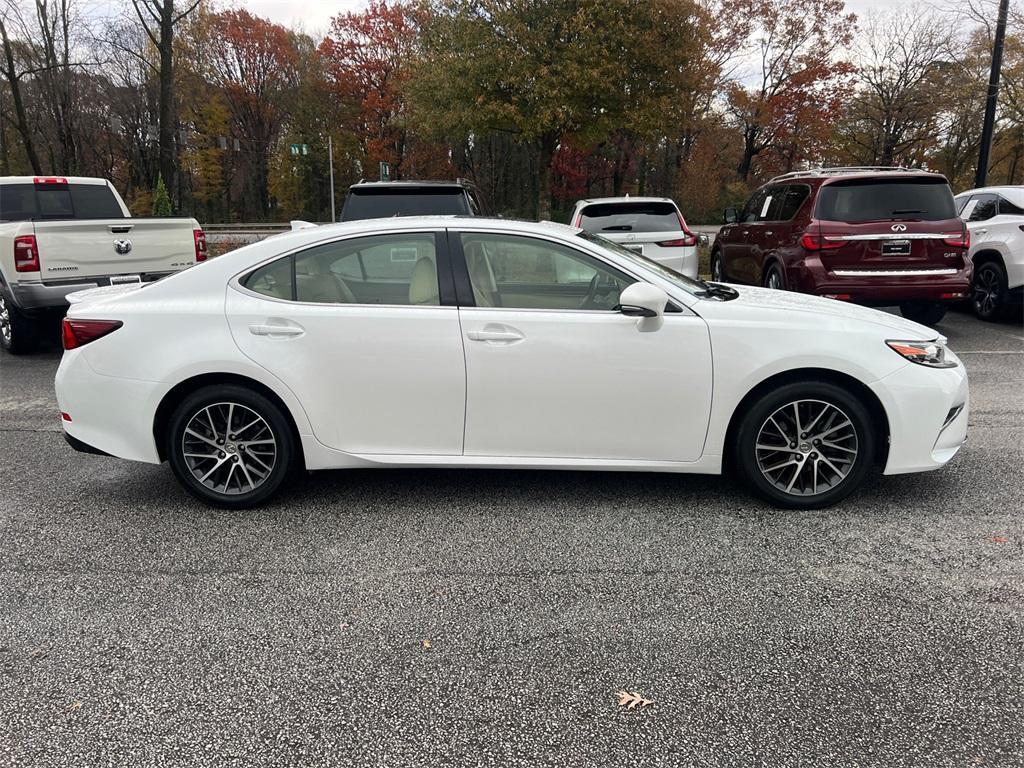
x,y
813,242
77,333
200,238
963,240
686,241
26,254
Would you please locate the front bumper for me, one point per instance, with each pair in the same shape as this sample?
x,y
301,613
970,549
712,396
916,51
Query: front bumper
x,y
927,409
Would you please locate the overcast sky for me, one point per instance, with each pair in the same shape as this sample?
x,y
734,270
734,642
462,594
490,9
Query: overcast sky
x,y
315,15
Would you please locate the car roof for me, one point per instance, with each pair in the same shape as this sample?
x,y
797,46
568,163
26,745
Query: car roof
x,y
392,223
624,199
69,179
406,184
1013,191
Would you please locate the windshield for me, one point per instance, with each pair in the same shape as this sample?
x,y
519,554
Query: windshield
x,y
862,200
694,287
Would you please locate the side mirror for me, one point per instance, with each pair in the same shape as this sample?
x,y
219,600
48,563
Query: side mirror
x,y
731,215
642,300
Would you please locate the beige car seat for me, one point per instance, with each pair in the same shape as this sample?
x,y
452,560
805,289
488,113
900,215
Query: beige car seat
x,y
423,285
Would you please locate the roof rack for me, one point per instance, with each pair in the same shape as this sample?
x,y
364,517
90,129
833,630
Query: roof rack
x,y
841,170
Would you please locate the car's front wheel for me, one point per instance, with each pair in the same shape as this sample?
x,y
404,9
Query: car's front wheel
x,y
989,290
805,445
230,446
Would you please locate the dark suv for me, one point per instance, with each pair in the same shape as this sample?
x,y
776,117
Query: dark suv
x,y
874,236
384,199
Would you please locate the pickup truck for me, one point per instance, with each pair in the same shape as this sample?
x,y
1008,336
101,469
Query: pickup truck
x,y
60,235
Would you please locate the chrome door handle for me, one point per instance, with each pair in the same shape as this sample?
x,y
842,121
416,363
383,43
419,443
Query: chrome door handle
x,y
506,336
275,330
769,232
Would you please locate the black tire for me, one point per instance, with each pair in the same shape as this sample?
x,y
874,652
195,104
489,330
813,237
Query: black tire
x,y
718,268
755,465
214,405
988,291
19,334
773,278
923,312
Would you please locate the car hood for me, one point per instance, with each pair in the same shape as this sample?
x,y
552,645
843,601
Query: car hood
x,y
815,305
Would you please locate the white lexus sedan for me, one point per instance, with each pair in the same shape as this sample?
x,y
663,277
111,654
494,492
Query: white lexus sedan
x,y
443,342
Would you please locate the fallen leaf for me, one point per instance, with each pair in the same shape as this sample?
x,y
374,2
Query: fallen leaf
x,y
38,653
998,539
74,706
426,644
632,700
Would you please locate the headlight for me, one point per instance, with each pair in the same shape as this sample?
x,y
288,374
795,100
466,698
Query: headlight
x,y
929,353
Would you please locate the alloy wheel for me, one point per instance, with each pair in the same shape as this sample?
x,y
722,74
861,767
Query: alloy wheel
x,y
716,269
806,447
229,448
773,280
986,291
5,321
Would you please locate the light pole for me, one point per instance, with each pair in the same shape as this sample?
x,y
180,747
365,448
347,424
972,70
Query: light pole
x,y
993,96
330,162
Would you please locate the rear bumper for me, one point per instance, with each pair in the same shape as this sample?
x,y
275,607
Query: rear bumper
x,y
927,410
109,415
53,294
880,286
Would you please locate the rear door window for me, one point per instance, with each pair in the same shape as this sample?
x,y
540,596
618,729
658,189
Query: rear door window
x,y
983,207
792,199
864,200
631,217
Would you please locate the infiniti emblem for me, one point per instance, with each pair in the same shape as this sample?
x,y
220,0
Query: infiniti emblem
x,y
123,246
898,227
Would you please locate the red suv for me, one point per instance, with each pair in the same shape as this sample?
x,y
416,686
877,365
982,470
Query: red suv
x,y
875,236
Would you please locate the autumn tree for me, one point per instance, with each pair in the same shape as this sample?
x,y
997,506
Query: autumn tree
x,y
540,71
160,20
254,64
797,43
367,58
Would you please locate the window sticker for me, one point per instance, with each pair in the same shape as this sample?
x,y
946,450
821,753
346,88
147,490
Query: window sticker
x,y
965,214
764,208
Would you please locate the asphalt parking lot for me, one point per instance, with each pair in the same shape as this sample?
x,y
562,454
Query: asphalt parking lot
x,y
140,628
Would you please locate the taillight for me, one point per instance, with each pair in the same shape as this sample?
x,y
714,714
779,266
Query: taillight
x,y
963,240
813,242
26,254
200,238
77,333
686,241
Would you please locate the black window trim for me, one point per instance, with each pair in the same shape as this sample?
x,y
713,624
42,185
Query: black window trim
x,y
464,289
446,285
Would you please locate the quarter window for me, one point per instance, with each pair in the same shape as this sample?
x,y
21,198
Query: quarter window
x,y
1006,208
526,273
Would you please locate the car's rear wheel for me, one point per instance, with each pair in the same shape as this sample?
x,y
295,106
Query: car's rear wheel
x,y
923,312
230,446
717,267
988,293
805,445
19,335
773,278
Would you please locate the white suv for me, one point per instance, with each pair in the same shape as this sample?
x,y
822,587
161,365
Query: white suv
x,y
995,218
650,226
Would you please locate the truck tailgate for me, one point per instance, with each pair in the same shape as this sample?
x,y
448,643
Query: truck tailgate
x,y
87,248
